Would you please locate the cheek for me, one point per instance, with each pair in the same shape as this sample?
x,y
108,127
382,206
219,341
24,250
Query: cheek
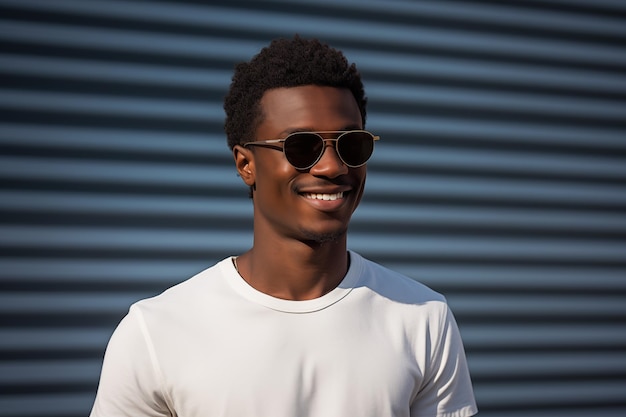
x,y
274,177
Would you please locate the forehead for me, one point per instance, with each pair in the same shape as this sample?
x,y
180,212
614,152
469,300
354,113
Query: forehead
x,y
309,107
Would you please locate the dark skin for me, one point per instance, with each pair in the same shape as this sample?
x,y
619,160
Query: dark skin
x,y
300,241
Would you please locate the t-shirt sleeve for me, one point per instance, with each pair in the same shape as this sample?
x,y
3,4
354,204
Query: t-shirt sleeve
x,y
447,388
130,381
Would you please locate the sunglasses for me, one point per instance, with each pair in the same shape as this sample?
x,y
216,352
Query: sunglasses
x,y
304,149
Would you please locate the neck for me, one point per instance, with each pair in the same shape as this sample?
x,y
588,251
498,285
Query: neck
x,y
295,270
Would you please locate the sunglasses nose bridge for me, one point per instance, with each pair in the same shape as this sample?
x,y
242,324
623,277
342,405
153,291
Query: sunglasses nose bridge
x,y
329,143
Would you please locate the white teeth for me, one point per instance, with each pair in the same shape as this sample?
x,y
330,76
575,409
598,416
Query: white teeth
x,y
327,197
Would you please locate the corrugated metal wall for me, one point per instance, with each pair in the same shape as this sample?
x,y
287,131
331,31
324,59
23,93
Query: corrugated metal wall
x,y
500,180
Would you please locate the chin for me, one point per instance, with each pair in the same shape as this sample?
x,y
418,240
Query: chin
x,y
316,237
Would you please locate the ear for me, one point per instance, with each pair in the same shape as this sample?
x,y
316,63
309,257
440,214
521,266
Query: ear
x,y
244,161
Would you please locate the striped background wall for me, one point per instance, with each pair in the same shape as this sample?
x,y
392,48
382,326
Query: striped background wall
x,y
500,180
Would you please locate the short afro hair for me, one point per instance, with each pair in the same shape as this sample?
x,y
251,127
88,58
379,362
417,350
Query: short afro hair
x,y
285,63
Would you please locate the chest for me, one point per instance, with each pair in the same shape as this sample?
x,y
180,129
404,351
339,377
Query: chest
x,y
305,365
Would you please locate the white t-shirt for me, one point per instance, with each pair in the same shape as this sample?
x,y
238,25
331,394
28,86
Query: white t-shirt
x,y
380,344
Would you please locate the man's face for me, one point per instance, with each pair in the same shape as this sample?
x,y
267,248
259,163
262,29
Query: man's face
x,y
313,205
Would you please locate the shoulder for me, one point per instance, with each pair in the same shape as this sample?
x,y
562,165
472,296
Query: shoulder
x,y
394,285
189,296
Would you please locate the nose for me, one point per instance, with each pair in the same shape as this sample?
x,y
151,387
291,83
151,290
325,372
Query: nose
x,y
329,165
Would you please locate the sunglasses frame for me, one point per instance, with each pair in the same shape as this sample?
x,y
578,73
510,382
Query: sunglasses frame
x,y
269,143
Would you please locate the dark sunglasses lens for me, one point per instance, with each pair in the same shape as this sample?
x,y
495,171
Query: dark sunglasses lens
x,y
302,150
355,148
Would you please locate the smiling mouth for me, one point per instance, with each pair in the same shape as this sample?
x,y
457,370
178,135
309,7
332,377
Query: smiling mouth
x,y
325,197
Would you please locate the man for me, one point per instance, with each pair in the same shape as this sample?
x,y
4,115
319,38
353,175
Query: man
x,y
297,325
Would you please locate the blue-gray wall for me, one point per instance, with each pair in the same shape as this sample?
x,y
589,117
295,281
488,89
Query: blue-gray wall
x,y
500,179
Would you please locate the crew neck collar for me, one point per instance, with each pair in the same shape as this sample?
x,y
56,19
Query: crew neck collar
x,y
290,306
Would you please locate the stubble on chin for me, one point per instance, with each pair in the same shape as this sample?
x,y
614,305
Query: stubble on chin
x,y
321,238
